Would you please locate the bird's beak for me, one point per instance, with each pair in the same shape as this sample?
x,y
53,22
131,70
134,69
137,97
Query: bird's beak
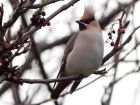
x,y
79,22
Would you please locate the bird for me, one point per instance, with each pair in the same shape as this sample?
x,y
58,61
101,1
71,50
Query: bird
x,y
83,53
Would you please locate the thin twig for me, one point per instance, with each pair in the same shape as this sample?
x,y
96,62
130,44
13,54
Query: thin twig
x,y
62,8
44,81
115,50
44,3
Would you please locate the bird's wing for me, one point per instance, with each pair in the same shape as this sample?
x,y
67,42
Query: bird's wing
x,y
69,46
68,49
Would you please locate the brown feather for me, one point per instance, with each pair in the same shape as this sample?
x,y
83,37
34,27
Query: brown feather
x,y
88,12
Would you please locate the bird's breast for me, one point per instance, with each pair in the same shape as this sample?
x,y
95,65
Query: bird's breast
x,y
86,55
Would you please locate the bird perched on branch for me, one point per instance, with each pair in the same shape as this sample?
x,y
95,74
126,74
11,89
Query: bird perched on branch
x,y
83,53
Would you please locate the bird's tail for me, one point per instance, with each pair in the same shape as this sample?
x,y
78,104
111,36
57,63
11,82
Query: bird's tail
x,y
59,88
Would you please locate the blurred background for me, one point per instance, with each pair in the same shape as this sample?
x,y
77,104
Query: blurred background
x,y
120,86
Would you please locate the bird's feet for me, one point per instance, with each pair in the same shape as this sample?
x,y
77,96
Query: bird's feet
x,y
100,72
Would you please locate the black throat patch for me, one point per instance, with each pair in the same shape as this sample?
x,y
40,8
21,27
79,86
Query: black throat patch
x,y
82,27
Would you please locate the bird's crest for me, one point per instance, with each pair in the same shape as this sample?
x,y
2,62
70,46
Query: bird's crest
x,y
88,11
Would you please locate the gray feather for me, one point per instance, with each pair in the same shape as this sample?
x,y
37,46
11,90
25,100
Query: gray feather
x,y
68,49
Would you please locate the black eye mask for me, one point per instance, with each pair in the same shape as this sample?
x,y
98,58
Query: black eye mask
x,y
88,20
83,22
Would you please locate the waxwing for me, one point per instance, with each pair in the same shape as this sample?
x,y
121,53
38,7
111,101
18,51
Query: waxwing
x,y
83,53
